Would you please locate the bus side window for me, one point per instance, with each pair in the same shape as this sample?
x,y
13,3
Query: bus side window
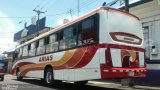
x,y
87,32
40,47
16,53
53,43
70,37
47,40
32,50
20,53
62,44
25,51
29,47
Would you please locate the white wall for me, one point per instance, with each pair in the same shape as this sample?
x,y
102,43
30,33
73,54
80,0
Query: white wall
x,y
149,14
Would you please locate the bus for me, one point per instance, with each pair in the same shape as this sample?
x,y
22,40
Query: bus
x,y
105,43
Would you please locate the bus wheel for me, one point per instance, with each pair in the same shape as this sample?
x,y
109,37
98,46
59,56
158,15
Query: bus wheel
x,y
80,83
18,75
49,77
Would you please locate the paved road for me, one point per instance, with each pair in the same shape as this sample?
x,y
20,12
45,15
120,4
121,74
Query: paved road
x,y
10,83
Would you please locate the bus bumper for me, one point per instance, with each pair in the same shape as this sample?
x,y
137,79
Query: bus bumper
x,y
111,72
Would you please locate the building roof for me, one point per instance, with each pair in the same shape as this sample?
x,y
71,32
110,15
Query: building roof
x,y
136,4
32,29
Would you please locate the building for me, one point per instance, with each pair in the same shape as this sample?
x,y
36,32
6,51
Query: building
x,y
28,33
149,13
9,61
31,31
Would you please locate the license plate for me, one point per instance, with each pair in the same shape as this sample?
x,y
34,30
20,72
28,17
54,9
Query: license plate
x,y
130,73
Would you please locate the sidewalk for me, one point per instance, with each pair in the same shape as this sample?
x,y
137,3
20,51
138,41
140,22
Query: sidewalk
x,y
117,84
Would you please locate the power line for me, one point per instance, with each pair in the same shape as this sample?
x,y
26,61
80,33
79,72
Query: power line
x,y
52,4
84,4
41,2
15,17
75,9
6,37
45,4
56,14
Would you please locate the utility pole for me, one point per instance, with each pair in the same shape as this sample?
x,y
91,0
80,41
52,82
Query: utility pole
x,y
38,14
127,5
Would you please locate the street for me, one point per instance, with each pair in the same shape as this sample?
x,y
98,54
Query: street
x,y
10,83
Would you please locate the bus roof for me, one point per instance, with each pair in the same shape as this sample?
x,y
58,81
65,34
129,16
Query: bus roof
x,y
76,20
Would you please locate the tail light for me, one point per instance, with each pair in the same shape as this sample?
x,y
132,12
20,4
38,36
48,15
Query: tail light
x,y
108,57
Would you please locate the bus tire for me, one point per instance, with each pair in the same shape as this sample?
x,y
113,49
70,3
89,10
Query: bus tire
x,y
48,78
18,75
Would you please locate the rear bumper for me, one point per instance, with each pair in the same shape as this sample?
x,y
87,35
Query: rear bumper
x,y
111,72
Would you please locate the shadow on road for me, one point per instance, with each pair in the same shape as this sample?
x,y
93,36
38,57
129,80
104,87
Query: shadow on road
x,y
65,86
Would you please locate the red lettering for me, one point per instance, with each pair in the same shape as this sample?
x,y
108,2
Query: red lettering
x,y
40,59
45,58
51,57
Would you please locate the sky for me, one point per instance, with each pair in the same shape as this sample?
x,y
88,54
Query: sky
x,y
12,12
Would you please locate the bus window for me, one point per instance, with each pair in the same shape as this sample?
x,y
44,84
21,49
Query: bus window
x,y
25,51
87,32
88,26
53,43
53,38
68,33
41,42
41,47
32,50
20,53
69,38
62,44
29,47
46,40
15,54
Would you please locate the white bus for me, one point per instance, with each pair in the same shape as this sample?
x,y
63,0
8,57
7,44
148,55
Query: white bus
x,y
102,44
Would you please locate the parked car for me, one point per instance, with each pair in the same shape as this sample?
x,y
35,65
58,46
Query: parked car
x,y
2,72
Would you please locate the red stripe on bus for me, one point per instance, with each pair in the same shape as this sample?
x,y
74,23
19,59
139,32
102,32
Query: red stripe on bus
x,y
73,60
21,64
87,57
23,73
